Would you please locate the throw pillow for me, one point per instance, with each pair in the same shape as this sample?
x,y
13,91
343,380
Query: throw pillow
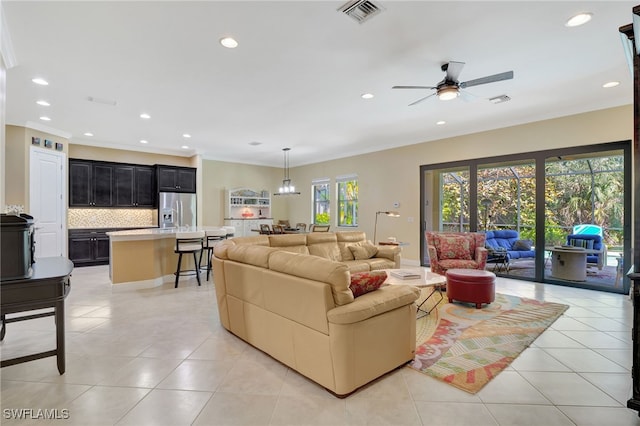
x,y
363,251
581,242
364,282
523,245
453,247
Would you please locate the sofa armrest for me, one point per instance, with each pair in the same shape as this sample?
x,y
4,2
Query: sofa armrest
x,y
433,254
368,305
481,257
388,252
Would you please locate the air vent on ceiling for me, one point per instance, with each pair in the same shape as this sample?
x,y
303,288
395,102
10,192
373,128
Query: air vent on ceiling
x,y
360,10
103,101
500,99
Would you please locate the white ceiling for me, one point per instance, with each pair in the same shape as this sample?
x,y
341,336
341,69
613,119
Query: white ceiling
x,y
296,78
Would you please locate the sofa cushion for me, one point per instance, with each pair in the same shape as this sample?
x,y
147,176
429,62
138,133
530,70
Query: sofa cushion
x,y
315,268
350,238
324,244
523,245
252,255
364,282
295,243
453,247
581,242
363,251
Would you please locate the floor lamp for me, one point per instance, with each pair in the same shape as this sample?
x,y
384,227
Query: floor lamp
x,y
375,229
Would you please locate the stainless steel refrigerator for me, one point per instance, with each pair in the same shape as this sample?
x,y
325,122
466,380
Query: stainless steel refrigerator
x,y
176,209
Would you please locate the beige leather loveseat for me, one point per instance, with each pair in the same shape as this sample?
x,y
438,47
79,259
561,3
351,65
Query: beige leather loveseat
x,y
298,308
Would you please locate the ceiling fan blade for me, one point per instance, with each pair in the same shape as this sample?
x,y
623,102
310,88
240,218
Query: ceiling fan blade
x,y
413,87
421,99
488,79
467,96
453,70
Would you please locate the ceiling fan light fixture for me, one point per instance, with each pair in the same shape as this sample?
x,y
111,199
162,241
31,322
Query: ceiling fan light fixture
x,y
448,93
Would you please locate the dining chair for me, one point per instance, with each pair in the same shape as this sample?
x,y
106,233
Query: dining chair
x,y
320,228
277,229
284,223
265,229
301,226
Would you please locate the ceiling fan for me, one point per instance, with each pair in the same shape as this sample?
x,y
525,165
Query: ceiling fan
x,y
449,87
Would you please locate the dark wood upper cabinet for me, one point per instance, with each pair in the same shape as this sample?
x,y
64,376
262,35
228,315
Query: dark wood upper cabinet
x,y
80,188
145,186
90,184
176,179
134,186
104,184
124,189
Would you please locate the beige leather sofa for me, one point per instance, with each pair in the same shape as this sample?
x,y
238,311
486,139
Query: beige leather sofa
x,y
299,309
330,245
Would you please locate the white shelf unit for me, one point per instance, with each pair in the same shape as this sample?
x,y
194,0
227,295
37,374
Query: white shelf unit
x,y
243,201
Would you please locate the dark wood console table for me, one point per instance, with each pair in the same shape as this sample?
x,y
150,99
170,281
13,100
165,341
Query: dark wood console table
x,y
47,288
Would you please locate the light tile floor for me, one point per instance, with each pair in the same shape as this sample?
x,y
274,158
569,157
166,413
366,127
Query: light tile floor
x,y
141,355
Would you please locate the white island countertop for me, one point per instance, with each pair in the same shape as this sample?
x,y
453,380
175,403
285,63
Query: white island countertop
x,y
156,233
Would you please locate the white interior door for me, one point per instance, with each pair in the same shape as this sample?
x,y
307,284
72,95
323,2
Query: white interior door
x,y
46,200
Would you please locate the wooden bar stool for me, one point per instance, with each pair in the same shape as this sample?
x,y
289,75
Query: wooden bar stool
x,y
212,236
189,242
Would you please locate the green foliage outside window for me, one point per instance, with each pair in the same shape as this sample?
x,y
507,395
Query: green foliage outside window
x,y
348,203
321,219
587,190
321,204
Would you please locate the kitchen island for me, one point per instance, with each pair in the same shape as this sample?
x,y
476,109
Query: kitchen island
x,y
146,254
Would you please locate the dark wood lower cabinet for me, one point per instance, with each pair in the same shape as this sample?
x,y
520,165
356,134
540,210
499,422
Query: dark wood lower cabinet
x,y
89,247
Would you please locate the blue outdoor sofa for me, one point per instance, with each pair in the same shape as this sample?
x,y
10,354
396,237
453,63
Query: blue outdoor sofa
x,y
500,241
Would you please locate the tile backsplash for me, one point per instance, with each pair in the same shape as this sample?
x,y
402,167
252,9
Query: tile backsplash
x,y
112,218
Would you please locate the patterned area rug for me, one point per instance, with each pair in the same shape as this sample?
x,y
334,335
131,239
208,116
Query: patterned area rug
x,y
467,347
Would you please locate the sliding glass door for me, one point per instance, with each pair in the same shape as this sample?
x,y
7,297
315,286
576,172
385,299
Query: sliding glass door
x,y
584,223
562,215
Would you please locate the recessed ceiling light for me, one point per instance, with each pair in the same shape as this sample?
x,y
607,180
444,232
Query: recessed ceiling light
x,y
255,143
611,84
88,134
229,42
145,116
43,103
143,141
367,96
441,122
184,147
579,19
40,81
45,118
186,135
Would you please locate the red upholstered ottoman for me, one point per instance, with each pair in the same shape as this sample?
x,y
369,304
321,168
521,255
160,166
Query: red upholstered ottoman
x,y
471,285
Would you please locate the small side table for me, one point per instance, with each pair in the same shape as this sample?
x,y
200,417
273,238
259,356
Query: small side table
x,y
427,279
500,261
